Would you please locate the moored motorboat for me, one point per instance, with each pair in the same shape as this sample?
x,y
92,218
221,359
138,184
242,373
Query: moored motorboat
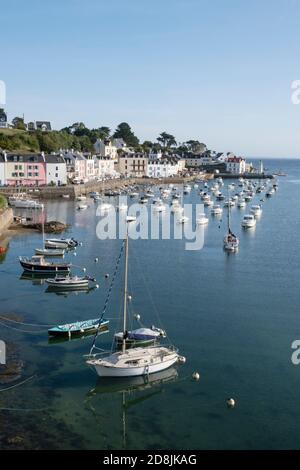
x,y
216,210
49,252
37,264
70,282
61,243
202,219
248,221
256,210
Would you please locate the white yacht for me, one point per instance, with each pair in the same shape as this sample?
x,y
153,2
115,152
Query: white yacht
x,y
256,210
216,210
241,203
248,221
202,219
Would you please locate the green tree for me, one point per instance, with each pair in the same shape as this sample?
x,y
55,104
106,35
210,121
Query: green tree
x,y
124,132
166,140
195,146
18,123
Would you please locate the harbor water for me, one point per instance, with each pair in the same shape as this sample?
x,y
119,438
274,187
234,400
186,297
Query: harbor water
x,y
233,316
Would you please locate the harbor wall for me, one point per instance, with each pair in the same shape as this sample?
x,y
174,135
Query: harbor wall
x,y
6,219
50,192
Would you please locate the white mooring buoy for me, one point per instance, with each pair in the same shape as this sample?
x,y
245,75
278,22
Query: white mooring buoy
x,y
196,375
106,276
97,286
129,298
230,403
137,316
96,260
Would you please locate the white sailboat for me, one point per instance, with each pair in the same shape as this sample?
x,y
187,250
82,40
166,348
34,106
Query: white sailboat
x,y
136,361
231,241
52,251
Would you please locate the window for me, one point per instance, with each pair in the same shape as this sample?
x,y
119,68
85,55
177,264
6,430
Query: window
x,y
16,167
56,168
29,174
36,167
56,175
30,167
36,174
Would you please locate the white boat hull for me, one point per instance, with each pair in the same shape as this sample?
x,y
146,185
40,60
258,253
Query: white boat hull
x,y
103,371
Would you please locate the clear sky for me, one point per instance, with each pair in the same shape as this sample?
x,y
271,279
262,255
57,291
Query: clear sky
x,y
219,71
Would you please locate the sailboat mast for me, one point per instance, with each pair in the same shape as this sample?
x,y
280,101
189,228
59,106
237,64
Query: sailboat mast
x,y
125,293
43,227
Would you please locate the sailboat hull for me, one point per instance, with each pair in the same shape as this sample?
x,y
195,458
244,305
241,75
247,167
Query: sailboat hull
x,y
104,369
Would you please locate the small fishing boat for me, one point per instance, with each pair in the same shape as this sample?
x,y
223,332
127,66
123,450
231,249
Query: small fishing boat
x,y
37,264
26,203
140,336
122,207
241,203
61,243
70,282
133,194
202,219
183,219
78,328
130,218
49,252
81,207
216,210
256,210
159,207
248,221
143,200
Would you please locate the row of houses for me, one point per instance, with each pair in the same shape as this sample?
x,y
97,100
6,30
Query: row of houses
x,y
69,166
53,169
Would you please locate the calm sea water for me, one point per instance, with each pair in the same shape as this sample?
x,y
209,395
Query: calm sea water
x,y
233,317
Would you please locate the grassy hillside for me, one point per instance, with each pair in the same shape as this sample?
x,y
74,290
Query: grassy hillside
x,y
38,141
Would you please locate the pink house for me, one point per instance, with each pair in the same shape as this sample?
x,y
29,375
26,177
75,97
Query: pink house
x,y
25,170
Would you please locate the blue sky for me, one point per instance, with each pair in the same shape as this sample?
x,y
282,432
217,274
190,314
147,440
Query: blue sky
x,y
214,70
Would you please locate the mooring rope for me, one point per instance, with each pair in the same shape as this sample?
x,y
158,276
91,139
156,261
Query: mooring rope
x,y
18,384
108,294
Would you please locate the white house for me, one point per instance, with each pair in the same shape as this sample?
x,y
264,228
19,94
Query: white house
x,y
56,170
236,165
105,167
89,167
106,148
2,170
164,167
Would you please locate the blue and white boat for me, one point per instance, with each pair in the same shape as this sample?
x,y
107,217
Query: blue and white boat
x,y
79,328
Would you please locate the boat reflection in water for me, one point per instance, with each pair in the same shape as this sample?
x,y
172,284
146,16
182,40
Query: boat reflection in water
x,y
133,390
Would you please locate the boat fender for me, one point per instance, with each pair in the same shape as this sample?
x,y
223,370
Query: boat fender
x,y
75,254
129,298
84,270
181,359
137,316
196,376
97,286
